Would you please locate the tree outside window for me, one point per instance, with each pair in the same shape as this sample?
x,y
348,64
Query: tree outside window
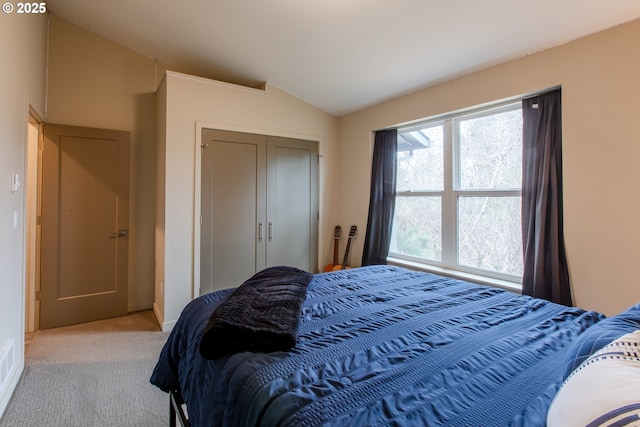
x,y
459,193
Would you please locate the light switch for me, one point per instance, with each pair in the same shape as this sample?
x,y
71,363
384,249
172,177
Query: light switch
x,y
15,182
15,219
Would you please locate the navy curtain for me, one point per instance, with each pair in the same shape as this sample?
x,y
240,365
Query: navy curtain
x,y
546,274
382,200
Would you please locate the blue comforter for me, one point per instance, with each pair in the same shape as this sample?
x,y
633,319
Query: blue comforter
x,y
383,345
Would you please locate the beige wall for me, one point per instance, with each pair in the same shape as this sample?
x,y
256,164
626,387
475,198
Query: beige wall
x,y
192,101
22,85
160,201
94,82
600,89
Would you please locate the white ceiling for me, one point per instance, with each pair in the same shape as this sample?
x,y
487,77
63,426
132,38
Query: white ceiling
x,y
341,55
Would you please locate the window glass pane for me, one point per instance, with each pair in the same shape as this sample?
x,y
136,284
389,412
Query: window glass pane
x,y
417,227
491,151
489,234
420,160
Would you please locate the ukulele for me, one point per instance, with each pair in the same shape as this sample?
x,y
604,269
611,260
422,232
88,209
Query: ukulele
x,y
352,232
336,245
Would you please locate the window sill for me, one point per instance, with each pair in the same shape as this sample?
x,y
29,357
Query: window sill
x,y
469,277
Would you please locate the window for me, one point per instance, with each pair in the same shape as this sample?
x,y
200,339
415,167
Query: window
x,y
458,201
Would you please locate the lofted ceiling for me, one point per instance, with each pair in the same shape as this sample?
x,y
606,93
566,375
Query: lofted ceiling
x,y
341,55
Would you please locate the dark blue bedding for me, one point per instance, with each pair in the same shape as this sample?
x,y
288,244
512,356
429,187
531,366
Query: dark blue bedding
x,y
382,345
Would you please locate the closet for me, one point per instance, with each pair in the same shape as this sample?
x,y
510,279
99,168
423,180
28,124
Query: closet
x,y
259,206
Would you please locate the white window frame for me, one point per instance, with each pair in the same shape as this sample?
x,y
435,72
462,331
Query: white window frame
x,y
449,264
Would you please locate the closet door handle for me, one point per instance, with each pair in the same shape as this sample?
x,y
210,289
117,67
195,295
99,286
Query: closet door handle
x,y
270,231
259,232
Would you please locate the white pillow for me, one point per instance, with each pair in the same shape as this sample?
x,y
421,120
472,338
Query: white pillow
x,y
603,390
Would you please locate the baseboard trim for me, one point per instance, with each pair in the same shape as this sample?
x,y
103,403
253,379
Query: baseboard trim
x,y
132,308
166,326
10,385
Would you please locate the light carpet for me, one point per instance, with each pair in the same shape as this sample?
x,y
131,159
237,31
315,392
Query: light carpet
x,y
94,374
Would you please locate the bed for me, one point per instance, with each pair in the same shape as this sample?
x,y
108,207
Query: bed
x,y
383,345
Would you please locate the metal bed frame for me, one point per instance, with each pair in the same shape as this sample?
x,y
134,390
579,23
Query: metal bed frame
x,y
176,410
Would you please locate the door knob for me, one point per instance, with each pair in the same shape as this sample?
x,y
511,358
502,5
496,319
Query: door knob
x,y
120,233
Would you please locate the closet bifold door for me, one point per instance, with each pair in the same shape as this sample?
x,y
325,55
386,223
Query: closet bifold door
x,y
292,203
233,204
259,206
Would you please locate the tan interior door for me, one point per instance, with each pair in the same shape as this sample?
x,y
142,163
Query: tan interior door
x,y
85,221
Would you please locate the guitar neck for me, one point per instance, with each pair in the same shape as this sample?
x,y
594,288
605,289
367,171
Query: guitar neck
x,y
336,248
346,252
